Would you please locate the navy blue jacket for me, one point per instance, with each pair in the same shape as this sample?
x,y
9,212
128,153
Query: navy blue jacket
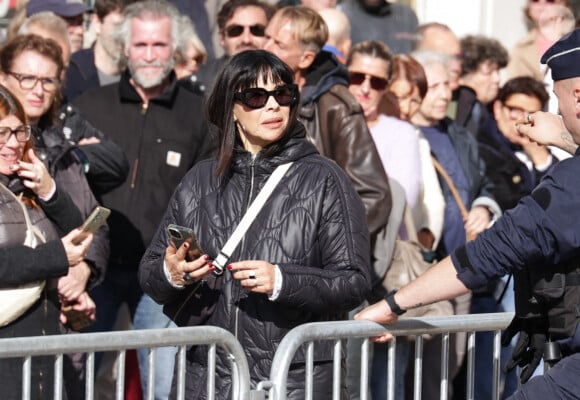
x,y
81,74
542,230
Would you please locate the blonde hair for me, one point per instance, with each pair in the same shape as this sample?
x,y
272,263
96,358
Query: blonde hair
x,y
309,27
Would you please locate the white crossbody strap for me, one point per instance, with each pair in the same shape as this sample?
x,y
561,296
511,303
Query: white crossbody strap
x,y
224,255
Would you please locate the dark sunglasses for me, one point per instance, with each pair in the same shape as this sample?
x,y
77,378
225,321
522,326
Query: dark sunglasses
x,y
237,30
257,97
357,78
545,1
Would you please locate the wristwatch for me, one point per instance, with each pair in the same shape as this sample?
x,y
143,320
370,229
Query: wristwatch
x,y
390,299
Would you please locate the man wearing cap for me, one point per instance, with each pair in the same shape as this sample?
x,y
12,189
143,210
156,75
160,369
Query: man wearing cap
x,y
540,237
72,11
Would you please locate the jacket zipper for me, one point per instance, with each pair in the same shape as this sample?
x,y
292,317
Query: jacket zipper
x,y
134,173
236,318
144,108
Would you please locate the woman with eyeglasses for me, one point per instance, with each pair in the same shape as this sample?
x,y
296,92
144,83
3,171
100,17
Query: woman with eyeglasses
x,y
303,259
27,187
31,67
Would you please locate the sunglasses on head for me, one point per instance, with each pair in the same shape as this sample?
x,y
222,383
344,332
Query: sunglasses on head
x,y
237,30
377,83
257,97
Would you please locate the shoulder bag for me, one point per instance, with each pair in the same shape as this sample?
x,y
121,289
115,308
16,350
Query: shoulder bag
x,y
407,264
197,302
454,192
14,302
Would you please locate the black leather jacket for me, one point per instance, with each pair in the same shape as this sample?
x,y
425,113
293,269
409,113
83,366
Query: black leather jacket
x,y
313,227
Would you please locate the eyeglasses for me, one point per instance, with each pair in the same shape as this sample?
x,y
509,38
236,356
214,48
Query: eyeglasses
x,y
22,133
516,112
28,82
377,83
236,30
257,97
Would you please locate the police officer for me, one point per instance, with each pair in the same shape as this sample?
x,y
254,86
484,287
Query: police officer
x,y
543,230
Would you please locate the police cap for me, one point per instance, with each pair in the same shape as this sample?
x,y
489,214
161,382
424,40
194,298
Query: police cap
x,y
563,57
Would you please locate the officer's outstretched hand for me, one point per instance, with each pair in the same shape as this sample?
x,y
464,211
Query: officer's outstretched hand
x,y
529,348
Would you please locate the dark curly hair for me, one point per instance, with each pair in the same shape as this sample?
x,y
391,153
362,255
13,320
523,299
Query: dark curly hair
x,y
477,49
524,85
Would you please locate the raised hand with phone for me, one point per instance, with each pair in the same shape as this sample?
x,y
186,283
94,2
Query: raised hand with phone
x,y
184,257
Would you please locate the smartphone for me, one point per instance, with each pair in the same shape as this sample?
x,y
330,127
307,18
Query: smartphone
x,y
181,234
93,222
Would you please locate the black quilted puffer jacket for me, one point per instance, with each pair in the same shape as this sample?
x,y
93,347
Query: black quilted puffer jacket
x,y
313,227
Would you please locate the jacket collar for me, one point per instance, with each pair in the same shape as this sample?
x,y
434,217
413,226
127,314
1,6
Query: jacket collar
x,y
293,148
324,73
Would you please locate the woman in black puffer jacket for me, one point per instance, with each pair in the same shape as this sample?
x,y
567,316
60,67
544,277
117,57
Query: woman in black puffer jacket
x,y
304,259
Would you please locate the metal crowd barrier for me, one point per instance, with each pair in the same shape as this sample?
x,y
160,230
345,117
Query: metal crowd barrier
x,y
338,331
275,387
120,341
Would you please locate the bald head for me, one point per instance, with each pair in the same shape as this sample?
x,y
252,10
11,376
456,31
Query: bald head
x,y
338,29
440,39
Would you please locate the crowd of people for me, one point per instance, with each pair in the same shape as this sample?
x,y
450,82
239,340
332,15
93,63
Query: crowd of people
x,y
182,112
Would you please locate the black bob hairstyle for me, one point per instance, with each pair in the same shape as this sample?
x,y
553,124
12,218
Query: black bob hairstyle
x,y
245,70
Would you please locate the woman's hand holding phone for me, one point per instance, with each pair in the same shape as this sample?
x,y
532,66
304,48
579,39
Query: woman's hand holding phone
x,y
76,250
185,272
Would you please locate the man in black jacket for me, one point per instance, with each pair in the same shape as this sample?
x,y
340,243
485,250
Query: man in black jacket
x,y
159,126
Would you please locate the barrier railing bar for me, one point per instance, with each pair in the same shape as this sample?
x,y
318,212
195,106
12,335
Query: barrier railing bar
x,y
418,367
310,371
58,377
336,370
392,346
496,363
444,366
90,376
151,356
26,378
181,376
211,362
120,387
364,368
470,389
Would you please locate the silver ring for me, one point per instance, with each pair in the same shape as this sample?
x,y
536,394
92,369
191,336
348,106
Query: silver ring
x,y
38,179
187,277
252,274
529,118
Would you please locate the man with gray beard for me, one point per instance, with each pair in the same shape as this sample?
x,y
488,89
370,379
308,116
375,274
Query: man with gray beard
x,y
159,126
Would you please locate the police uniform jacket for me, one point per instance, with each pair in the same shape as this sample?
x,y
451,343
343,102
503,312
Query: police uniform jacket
x,y
541,230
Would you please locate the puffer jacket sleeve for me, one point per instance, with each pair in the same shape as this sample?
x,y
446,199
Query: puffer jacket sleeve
x,y
343,280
